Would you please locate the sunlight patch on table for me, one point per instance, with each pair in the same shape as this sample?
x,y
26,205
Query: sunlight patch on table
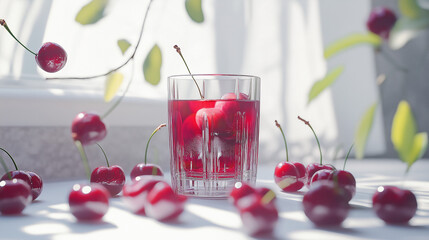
x,y
46,229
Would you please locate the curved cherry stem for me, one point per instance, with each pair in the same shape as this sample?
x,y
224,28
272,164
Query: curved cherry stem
x,y
189,71
119,100
148,141
120,66
84,158
318,143
104,153
4,24
11,158
284,138
347,156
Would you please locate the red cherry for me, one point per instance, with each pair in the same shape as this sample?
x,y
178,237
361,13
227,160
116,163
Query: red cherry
x,y
290,177
347,181
325,204
88,128
51,57
212,118
163,203
381,21
344,180
146,169
240,190
88,202
15,195
36,185
112,178
312,168
394,205
135,192
258,217
17,174
231,107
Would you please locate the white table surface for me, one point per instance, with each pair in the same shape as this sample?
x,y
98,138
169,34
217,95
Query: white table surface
x,y
49,216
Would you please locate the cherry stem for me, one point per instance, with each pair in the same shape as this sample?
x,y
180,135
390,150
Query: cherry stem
x,y
268,197
104,153
119,100
347,157
5,167
120,66
148,141
11,158
284,138
318,143
84,158
4,24
189,71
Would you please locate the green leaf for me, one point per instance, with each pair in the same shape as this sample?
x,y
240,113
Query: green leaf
x,y
91,12
420,144
327,81
113,82
409,145
350,41
195,11
411,9
152,66
406,29
363,130
123,45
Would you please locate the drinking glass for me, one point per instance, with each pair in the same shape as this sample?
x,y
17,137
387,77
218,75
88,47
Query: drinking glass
x,y
213,132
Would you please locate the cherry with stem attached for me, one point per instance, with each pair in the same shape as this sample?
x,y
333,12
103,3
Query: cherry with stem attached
x,y
344,178
51,56
111,177
314,167
147,168
289,176
32,179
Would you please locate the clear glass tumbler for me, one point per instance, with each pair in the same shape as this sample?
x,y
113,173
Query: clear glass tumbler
x,y
213,132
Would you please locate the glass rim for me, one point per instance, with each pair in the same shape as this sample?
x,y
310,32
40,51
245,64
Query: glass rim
x,y
213,75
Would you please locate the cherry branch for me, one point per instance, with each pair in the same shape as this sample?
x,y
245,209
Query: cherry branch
x,y
120,66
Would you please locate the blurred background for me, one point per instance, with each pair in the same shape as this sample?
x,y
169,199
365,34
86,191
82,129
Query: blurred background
x,y
286,43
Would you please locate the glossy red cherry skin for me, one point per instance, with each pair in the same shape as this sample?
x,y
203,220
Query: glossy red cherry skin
x,y
36,185
32,179
290,177
257,217
163,204
15,195
313,168
88,128
134,194
146,169
214,118
18,174
51,57
325,204
381,21
89,202
240,190
112,178
344,179
394,205
231,107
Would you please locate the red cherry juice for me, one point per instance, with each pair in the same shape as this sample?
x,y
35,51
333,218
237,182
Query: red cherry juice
x,y
214,143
